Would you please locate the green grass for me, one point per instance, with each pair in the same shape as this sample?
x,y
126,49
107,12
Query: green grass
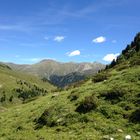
x,y
10,81
20,122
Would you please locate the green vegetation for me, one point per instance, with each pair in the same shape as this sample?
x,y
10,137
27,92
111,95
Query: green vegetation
x,y
104,106
16,87
88,104
135,116
62,81
100,77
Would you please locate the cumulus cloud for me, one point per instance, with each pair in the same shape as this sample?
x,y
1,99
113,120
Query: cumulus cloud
x,y
59,38
99,39
110,57
74,53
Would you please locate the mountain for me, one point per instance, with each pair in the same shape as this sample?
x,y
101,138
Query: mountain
x,y
63,72
103,107
63,81
46,68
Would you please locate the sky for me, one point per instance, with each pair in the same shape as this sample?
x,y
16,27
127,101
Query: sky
x,y
62,30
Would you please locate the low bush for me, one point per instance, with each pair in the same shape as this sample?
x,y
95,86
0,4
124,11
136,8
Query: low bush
x,y
114,95
56,116
106,112
135,116
100,77
44,119
135,60
73,96
137,102
3,98
122,67
111,112
88,104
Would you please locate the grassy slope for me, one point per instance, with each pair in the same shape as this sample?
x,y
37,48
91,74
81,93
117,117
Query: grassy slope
x,y
106,119
9,81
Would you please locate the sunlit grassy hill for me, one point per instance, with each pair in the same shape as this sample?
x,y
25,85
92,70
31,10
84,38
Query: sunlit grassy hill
x,y
16,87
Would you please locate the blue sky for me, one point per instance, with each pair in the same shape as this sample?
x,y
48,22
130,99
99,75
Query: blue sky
x,y
74,30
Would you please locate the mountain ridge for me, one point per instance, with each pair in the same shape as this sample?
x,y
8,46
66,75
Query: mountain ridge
x,y
86,65
49,69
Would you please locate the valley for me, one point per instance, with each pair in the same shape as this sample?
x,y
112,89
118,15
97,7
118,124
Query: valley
x,y
105,105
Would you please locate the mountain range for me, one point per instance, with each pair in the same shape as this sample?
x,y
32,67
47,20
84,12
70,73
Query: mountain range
x,y
59,74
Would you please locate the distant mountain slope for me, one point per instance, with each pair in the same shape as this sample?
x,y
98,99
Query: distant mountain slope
x,y
104,107
16,86
62,81
51,69
2,65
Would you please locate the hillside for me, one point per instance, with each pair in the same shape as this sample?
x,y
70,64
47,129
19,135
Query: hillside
x,y
16,87
104,106
51,69
66,80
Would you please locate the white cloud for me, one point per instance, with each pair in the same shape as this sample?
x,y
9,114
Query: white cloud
x,y
110,57
74,53
59,38
99,39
